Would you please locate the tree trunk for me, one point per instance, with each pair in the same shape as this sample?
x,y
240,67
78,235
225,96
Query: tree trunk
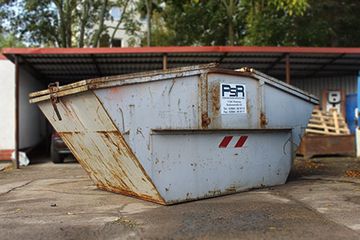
x,y
230,11
101,24
231,22
68,23
60,8
120,21
148,21
84,19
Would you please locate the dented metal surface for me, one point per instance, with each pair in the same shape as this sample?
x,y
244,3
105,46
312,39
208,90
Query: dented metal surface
x,y
192,166
203,100
99,147
279,84
162,136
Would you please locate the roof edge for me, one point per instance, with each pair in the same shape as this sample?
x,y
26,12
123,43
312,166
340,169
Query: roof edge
x,y
8,52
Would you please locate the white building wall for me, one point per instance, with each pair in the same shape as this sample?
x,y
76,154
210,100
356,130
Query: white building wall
x,y
121,33
125,37
7,105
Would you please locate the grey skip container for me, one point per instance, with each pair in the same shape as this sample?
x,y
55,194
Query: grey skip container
x,y
181,134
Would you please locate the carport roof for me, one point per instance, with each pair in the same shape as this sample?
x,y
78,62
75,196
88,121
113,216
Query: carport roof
x,y
72,64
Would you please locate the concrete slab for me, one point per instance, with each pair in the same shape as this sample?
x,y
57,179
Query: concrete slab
x,y
48,201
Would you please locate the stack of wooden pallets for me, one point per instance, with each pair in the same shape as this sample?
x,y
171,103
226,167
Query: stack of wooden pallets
x,y
327,123
327,134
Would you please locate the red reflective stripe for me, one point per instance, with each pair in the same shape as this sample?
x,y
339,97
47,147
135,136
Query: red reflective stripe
x,y
225,142
241,141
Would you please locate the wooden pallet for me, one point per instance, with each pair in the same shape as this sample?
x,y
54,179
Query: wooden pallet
x,y
327,123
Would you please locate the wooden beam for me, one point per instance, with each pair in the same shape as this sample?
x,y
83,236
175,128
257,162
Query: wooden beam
x,y
165,61
96,65
287,68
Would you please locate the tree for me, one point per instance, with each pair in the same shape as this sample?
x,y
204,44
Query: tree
x,y
231,7
100,29
269,22
194,22
147,9
9,41
121,18
222,22
62,23
83,23
328,23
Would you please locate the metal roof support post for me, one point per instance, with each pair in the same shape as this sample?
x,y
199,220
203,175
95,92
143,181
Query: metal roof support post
x,y
165,61
17,112
357,129
287,68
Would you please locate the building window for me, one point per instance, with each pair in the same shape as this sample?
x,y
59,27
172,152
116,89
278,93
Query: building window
x,y
116,42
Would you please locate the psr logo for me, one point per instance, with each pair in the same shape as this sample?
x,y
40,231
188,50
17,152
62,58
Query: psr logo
x,y
228,91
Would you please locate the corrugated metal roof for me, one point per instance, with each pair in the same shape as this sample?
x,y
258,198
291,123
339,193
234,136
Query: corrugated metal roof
x,y
73,64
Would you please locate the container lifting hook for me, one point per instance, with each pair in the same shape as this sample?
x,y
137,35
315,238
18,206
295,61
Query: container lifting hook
x,y
53,88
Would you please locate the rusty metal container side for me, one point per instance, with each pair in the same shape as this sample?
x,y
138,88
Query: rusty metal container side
x,y
96,143
193,166
170,140
270,103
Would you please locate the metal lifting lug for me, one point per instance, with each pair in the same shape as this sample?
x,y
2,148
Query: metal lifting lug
x,y
53,89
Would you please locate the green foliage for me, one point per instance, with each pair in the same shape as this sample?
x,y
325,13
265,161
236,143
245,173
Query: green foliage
x,y
194,22
289,7
70,23
224,22
60,23
329,23
322,23
9,41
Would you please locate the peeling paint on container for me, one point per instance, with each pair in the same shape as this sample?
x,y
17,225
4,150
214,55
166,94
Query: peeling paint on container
x,y
161,136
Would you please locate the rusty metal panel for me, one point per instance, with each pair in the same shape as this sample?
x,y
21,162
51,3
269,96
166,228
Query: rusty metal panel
x,y
120,80
284,110
189,165
248,120
136,109
267,106
99,147
315,145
